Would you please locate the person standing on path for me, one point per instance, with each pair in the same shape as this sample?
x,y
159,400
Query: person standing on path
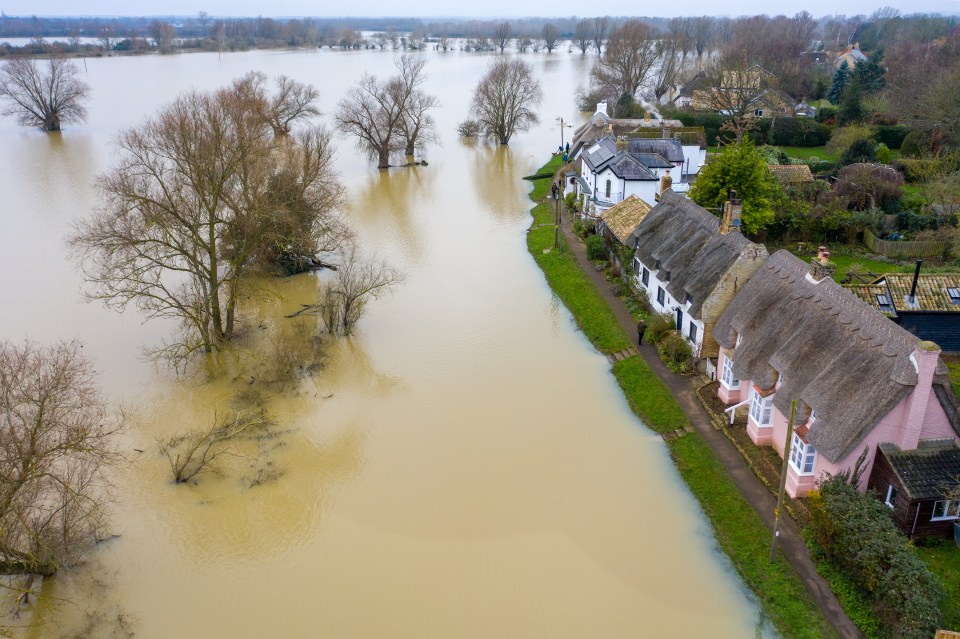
x,y
641,329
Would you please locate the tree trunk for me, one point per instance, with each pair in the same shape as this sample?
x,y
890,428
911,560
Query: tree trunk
x,y
384,156
51,122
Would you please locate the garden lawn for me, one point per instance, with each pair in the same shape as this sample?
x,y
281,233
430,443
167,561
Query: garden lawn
x,y
944,561
805,153
953,363
738,528
863,264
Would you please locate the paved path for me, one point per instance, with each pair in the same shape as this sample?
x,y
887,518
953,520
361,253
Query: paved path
x,y
684,389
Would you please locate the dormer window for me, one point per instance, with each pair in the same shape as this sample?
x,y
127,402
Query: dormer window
x,y
954,295
884,303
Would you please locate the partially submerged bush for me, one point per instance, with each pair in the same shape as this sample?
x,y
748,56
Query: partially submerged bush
x,y
469,129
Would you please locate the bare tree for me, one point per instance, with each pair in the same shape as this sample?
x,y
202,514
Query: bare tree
x,y
731,86
58,437
190,203
502,35
293,101
443,42
162,34
47,98
344,299
195,452
374,111
106,37
581,36
702,31
550,35
601,27
417,124
670,60
505,99
625,64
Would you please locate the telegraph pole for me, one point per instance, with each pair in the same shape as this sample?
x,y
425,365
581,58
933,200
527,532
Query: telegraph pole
x,y
783,480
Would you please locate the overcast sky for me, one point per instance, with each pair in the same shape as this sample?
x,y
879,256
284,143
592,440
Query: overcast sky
x,y
432,8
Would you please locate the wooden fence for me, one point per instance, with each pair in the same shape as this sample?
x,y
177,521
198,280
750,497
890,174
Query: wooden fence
x,y
904,249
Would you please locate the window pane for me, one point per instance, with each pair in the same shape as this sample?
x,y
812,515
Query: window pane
x,y
939,509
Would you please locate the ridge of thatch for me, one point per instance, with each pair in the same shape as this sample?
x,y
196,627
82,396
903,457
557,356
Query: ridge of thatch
x,y
624,217
835,353
788,174
685,240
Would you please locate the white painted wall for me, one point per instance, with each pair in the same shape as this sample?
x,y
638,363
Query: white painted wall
x,y
669,305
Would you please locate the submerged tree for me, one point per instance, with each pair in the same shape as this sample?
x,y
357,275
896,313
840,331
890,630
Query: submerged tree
x,y
47,95
57,439
505,99
197,194
382,113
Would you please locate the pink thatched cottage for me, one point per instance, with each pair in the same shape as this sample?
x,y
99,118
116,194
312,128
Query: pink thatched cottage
x,y
861,381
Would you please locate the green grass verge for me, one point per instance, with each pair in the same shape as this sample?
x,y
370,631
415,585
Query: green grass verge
x,y
648,396
805,153
953,363
862,264
738,528
848,594
541,188
944,561
744,537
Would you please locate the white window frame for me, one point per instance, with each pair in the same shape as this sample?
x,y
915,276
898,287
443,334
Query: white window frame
x,y
891,497
761,408
803,457
951,510
692,332
726,375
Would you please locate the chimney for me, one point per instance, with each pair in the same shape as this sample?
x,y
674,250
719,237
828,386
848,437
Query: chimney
x,y
665,181
646,117
732,211
602,107
913,287
821,266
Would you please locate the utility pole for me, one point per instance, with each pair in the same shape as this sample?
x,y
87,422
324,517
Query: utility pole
x,y
783,480
556,239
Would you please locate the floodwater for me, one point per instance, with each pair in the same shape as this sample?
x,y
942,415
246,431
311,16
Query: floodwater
x,y
463,466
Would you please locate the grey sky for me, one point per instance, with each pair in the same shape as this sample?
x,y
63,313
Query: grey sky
x,y
488,8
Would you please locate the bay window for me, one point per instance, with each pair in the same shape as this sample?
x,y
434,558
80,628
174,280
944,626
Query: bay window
x,y
761,408
727,377
802,456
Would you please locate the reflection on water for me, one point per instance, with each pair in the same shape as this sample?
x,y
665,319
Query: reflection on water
x,y
463,466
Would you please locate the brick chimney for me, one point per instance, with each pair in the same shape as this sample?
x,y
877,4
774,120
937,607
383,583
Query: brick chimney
x,y
732,211
665,181
602,107
646,117
821,266
924,359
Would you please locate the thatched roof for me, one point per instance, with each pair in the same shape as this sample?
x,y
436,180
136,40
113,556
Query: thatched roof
x,y
685,239
789,174
837,355
624,217
928,470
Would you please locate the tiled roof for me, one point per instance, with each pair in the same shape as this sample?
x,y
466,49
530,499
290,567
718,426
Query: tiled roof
x,y
791,173
652,160
624,165
669,148
623,218
931,291
868,293
929,469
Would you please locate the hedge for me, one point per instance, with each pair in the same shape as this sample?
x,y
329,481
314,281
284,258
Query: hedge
x,y
892,136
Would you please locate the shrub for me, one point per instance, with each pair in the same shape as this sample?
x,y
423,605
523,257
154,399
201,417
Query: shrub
x,y
660,326
580,229
596,248
867,186
570,200
675,353
827,115
469,128
861,150
883,153
798,132
858,535
915,144
892,136
843,137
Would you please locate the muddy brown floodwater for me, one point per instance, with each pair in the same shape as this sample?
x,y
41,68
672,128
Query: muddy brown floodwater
x,y
464,466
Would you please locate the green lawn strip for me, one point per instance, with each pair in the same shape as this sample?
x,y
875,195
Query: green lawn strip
x,y
805,153
648,396
863,264
944,561
541,188
953,363
849,595
743,536
738,527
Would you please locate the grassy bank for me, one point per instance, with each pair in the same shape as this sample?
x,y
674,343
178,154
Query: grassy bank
x,y
738,528
944,561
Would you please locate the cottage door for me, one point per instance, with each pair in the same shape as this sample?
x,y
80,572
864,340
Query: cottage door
x,y
679,320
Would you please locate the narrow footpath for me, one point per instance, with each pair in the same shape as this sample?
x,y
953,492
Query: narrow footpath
x,y
684,389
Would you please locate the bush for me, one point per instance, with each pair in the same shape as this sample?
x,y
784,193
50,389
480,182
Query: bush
x,y
798,132
827,114
892,136
660,326
915,144
883,153
580,229
843,137
596,248
866,186
570,200
857,534
675,352
469,128
861,150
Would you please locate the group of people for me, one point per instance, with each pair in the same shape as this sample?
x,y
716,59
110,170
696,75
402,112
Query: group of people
x,y
565,152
